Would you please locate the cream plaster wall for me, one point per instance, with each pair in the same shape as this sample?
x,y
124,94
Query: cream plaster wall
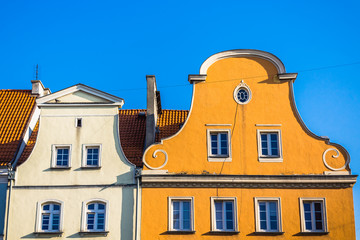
x,y
120,218
37,181
57,126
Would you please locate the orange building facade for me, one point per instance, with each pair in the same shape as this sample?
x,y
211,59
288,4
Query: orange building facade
x,y
244,165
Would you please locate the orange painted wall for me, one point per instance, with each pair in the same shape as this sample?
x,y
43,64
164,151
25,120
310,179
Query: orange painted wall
x,y
213,103
339,207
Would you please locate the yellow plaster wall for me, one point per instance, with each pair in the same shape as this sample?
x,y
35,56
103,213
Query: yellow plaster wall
x,y
213,103
339,207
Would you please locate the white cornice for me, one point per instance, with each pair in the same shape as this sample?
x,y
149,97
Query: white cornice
x,y
80,87
242,53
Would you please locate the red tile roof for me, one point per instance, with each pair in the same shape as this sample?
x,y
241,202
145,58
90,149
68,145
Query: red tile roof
x,y
15,111
132,128
29,145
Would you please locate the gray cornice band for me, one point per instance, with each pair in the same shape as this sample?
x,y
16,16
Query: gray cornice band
x,y
248,181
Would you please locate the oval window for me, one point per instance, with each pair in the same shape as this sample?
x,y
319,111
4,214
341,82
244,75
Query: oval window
x,y
242,93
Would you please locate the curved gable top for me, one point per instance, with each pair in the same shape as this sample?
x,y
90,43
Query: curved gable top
x,y
243,53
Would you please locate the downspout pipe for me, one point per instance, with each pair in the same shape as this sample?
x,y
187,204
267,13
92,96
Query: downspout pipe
x,y
11,177
137,214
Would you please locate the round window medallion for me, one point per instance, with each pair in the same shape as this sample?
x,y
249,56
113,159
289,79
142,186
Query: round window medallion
x,y
242,93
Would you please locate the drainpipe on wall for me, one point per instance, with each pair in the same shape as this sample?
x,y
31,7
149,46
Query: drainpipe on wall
x,y
11,177
138,210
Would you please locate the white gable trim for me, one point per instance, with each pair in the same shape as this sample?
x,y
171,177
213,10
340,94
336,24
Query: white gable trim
x,y
243,53
80,87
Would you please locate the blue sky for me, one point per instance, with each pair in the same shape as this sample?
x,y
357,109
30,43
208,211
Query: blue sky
x,y
112,45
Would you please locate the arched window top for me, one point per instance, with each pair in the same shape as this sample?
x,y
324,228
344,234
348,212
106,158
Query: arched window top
x,y
49,216
95,215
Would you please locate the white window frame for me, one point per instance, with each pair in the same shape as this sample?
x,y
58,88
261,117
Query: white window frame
x,y
76,122
257,213
39,212
269,158
302,215
213,216
170,213
85,211
218,157
84,155
54,155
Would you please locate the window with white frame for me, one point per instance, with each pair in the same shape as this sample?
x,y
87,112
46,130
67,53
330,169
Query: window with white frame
x,y
95,216
49,216
313,215
219,147
269,145
224,214
61,156
91,155
181,214
268,214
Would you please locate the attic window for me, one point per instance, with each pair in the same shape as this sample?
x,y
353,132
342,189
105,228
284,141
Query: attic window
x,y
78,122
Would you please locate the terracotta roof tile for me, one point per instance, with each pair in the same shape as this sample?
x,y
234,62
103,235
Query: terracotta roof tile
x,y
170,122
15,109
132,128
29,145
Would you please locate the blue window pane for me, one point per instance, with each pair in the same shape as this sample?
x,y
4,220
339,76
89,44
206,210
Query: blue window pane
x,y
306,206
308,226
46,207
186,225
273,225
262,215
91,206
176,224
176,205
307,216
262,206
272,206
273,137
229,225
186,206
219,225
274,152
101,206
317,206
263,225
56,207
228,206
319,226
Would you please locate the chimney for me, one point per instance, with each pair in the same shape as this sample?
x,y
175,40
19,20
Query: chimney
x,y
38,88
153,107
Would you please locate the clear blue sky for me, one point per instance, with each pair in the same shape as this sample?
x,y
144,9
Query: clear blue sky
x,y
112,45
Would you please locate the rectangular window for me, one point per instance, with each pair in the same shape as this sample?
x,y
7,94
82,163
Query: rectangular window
x,y
219,145
91,155
224,217
61,156
269,145
313,215
268,217
49,216
181,214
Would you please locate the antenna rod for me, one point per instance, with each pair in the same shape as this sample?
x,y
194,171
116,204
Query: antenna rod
x,y
37,72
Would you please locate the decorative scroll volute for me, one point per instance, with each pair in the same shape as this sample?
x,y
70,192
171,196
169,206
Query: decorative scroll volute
x,y
327,153
155,155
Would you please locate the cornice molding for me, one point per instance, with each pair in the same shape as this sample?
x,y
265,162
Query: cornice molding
x,y
247,181
242,53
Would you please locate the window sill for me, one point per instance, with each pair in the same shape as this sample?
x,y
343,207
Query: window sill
x,y
219,159
267,233
311,233
270,159
90,167
55,234
222,233
87,233
60,168
174,232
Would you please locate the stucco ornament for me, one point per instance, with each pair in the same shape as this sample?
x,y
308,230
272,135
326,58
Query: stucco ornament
x,y
154,155
242,93
334,156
